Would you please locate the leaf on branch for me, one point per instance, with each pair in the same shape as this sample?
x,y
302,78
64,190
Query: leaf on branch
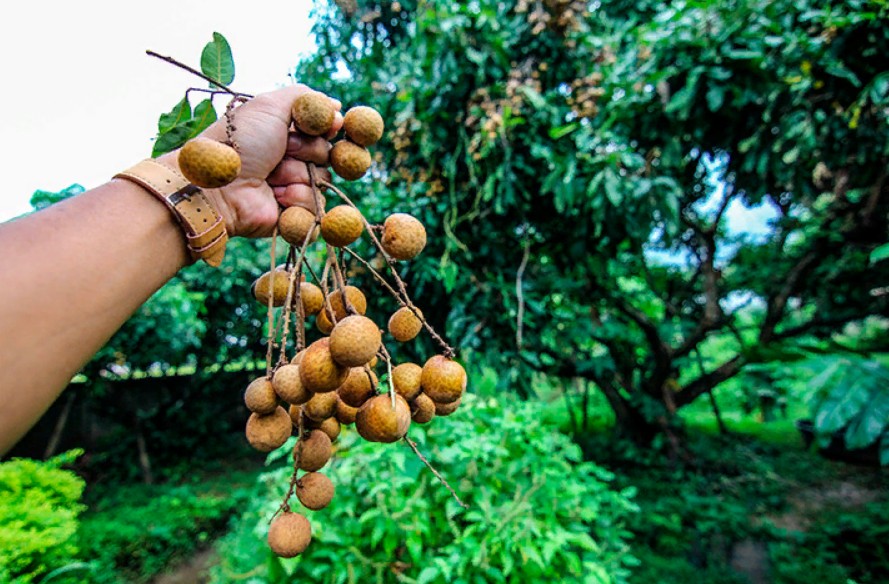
x,y
180,114
866,428
204,115
879,254
217,61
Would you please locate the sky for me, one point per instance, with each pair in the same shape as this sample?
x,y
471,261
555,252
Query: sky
x,y
80,98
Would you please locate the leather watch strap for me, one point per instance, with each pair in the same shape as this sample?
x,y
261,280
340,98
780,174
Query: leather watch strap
x,y
203,226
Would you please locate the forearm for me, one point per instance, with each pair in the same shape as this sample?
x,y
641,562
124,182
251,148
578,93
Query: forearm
x,y
71,276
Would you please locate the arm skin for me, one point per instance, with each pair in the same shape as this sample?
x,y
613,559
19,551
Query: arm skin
x,y
72,274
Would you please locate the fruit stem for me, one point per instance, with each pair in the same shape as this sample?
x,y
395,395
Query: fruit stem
x,y
437,474
270,339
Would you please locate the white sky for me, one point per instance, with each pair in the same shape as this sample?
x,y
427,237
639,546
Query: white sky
x,y
80,99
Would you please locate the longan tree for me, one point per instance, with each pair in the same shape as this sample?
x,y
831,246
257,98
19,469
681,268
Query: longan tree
x,y
559,144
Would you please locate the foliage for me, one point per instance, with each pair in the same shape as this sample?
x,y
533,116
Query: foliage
x,y
39,509
611,149
536,511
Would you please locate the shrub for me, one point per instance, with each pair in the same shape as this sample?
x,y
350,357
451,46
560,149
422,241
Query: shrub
x,y
536,511
39,509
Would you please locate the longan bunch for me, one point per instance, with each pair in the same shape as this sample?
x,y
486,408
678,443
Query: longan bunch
x,y
334,380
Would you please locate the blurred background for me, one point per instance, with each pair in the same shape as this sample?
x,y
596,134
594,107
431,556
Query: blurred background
x,y
658,236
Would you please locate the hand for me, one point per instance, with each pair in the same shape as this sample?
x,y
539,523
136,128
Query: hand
x,y
273,163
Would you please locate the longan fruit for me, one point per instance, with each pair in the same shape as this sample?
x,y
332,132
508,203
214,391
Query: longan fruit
x,y
341,225
314,113
404,324
378,421
406,378
318,371
315,491
260,397
422,409
277,284
289,386
447,409
294,224
345,414
443,379
314,450
209,164
349,160
358,387
312,298
404,237
356,298
321,406
330,426
354,341
265,433
297,359
363,125
323,323
289,534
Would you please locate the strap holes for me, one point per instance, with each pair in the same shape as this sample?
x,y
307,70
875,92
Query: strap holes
x,y
199,209
205,220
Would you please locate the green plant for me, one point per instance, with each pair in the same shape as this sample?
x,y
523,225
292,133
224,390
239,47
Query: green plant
x,y
536,511
39,510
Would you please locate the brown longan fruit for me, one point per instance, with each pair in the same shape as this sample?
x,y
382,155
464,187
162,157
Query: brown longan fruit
x,y
260,397
297,359
330,426
404,324
312,298
314,113
289,386
358,387
354,341
349,160
345,414
363,125
277,284
265,433
406,378
321,406
318,371
315,491
447,409
443,379
294,224
404,237
289,534
314,450
355,297
422,409
209,164
323,323
342,225
378,421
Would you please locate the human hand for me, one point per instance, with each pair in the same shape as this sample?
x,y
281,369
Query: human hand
x,y
273,163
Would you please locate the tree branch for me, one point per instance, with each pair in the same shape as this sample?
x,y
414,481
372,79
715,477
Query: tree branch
x,y
708,381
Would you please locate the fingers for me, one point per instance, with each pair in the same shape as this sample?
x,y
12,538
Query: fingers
x,y
291,170
299,195
337,124
307,148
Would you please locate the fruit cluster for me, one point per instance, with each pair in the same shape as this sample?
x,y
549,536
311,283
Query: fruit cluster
x,y
333,380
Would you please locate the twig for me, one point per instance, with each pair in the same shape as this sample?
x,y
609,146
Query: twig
x,y
270,339
207,78
388,359
294,478
520,313
437,474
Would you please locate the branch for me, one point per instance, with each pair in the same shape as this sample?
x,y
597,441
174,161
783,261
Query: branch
x,y
708,381
207,78
520,297
437,474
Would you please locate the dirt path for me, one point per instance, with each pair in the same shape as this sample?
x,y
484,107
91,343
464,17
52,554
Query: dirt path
x,y
191,571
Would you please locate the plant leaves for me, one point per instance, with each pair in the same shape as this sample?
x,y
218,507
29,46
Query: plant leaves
x,y
204,115
217,61
866,428
180,114
879,254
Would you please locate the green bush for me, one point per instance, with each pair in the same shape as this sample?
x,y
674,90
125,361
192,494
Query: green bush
x,y
39,509
536,511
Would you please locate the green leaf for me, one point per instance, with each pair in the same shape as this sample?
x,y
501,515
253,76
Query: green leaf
x,y
879,254
884,449
871,423
841,405
560,131
171,140
216,60
534,97
715,97
204,115
180,114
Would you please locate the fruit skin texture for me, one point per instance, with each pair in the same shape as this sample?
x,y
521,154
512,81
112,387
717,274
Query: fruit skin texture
x,y
289,534
321,406
447,409
294,223
406,378
297,359
312,298
404,237
378,422
345,414
313,113
289,386
349,160
341,225
260,397
315,491
422,409
209,164
354,341
358,387
404,324
318,371
443,379
314,450
278,285
322,322
265,433
356,298
363,125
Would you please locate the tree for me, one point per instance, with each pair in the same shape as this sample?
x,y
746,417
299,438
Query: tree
x,y
557,145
